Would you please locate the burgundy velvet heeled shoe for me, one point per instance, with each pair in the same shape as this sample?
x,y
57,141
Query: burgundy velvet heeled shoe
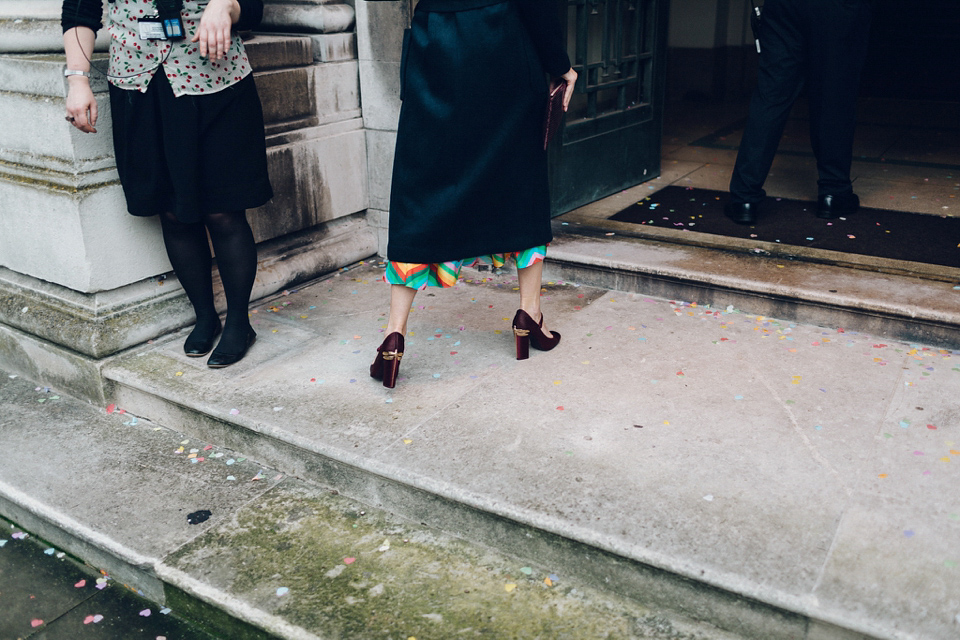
x,y
526,331
387,365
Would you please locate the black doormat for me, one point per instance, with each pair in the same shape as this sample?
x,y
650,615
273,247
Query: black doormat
x,y
897,235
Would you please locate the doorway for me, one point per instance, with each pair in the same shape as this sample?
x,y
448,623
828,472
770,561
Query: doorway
x,y
612,133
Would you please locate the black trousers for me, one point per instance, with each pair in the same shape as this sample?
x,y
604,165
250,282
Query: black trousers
x,y
820,43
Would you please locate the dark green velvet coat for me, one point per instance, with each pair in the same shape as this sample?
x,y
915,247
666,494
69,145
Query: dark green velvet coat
x,y
470,172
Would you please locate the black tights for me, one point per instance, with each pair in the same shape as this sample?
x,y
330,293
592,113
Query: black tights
x,y
236,253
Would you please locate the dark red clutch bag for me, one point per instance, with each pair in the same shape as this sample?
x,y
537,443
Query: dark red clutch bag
x,y
551,122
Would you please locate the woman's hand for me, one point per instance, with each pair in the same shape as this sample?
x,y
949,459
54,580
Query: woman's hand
x,y
215,26
81,105
571,78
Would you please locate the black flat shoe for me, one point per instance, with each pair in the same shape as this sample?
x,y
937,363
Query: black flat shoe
x,y
830,207
742,212
199,346
219,360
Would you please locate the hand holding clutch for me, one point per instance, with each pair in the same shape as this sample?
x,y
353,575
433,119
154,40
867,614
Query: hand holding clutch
x,y
555,110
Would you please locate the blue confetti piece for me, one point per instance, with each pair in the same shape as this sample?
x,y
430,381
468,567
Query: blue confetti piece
x,y
818,427
436,375
50,551
738,397
904,423
2,543
909,533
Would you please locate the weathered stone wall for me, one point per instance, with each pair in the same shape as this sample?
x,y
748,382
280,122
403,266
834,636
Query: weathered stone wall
x,y
380,27
80,279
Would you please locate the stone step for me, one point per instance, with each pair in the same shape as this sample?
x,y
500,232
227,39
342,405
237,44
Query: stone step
x,y
904,301
536,458
277,557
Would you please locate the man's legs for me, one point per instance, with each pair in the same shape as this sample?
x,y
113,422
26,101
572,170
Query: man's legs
x,y
838,49
779,81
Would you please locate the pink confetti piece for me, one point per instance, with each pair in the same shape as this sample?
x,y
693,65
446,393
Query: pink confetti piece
x,y
145,613
111,408
349,560
36,622
234,412
81,584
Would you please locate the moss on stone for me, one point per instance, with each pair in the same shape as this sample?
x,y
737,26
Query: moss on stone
x,y
405,580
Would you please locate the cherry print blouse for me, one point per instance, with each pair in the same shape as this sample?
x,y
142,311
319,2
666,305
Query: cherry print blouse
x,y
133,62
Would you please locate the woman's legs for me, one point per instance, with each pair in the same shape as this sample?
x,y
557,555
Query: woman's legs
x,y
236,253
189,254
531,279
401,299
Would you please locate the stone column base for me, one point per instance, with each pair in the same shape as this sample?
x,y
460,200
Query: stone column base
x,y
62,338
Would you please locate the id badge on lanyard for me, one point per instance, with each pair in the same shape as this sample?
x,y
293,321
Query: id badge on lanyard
x,y
167,24
156,28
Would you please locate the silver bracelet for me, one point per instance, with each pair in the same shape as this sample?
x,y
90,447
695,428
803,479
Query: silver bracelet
x,y
75,72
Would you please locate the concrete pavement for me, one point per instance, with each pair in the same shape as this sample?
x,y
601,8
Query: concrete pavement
x,y
774,479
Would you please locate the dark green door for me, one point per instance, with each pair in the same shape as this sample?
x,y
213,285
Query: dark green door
x,y
611,136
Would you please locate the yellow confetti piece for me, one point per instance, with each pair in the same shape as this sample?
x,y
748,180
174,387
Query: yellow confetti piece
x,y
780,266
407,441
275,330
666,422
945,459
796,379
585,362
510,587
497,331
556,382
547,581
192,455
882,475
303,316
179,373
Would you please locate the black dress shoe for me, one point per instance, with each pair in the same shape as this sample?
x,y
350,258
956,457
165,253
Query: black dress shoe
x,y
198,346
219,360
742,212
831,207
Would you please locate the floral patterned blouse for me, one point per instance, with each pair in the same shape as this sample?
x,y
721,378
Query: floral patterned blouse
x,y
133,61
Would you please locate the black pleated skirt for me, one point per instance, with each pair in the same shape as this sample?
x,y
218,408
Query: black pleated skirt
x,y
470,172
190,155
